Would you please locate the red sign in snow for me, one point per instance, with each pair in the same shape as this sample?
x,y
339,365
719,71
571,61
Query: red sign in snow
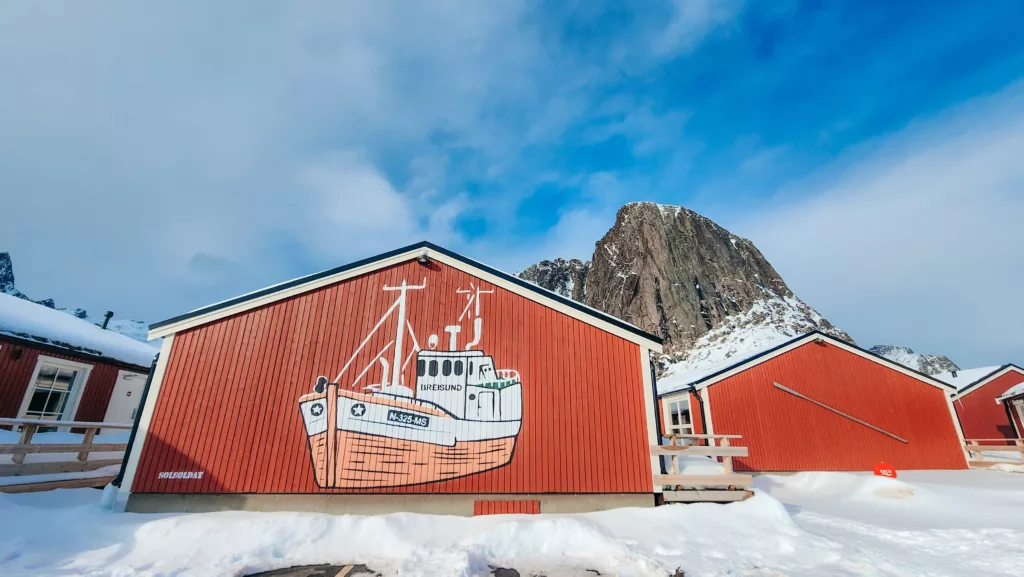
x,y
885,470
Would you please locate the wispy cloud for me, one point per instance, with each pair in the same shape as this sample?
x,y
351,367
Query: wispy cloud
x,y
914,237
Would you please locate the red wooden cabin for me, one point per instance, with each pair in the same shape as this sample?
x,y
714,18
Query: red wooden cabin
x,y
981,415
414,380
817,403
57,367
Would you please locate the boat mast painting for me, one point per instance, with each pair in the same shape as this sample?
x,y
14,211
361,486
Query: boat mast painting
x,y
461,417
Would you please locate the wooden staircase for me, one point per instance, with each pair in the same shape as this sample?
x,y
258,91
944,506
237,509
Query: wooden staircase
x,y
689,488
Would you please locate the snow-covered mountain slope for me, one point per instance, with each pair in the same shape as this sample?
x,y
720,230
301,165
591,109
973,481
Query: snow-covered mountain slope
x,y
567,278
767,324
927,364
127,327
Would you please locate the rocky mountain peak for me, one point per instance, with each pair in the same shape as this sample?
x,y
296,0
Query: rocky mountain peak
x,y
565,277
927,364
710,294
6,273
678,274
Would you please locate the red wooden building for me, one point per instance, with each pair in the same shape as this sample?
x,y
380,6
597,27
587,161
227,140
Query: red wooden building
x,y
982,415
817,403
56,367
414,380
1013,401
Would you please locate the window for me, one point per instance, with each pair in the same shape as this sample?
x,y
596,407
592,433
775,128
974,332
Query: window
x,y
421,367
458,367
446,368
433,368
54,391
678,419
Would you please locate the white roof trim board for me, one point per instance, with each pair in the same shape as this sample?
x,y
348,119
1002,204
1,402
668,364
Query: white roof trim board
x,y
32,322
988,378
811,337
289,289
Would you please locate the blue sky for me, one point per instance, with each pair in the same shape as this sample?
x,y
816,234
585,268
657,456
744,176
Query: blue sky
x,y
154,159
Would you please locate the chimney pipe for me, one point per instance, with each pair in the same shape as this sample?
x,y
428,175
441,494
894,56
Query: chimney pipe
x,y
106,318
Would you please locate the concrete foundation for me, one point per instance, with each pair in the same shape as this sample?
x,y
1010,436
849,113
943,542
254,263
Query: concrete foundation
x,y
366,504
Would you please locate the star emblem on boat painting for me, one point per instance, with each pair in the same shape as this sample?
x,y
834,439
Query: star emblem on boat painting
x,y
461,416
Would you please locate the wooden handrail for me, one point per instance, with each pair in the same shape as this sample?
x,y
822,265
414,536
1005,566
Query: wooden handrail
x,y
73,424
25,446
973,446
680,436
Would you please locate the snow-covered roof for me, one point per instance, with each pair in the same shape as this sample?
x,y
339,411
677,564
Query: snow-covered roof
x,y
28,320
966,377
683,374
1013,391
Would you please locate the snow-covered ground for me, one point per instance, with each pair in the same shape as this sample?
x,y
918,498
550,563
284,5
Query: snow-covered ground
x,y
811,524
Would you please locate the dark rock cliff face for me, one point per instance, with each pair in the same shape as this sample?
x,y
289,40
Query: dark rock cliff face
x,y
565,277
677,274
927,364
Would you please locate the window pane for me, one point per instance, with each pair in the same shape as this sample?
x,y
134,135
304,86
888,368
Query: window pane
x,y
433,368
458,367
38,401
65,379
421,367
446,368
54,402
46,376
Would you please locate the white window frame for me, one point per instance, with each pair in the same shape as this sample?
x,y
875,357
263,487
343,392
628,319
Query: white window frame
x,y
76,389
677,405
1019,405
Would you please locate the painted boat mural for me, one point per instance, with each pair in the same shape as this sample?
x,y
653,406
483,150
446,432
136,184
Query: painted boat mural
x,y
461,417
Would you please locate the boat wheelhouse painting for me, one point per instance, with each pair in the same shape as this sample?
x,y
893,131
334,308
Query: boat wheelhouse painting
x,y
461,416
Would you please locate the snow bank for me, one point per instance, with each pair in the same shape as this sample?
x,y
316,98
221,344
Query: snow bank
x,y
70,534
25,319
918,500
811,524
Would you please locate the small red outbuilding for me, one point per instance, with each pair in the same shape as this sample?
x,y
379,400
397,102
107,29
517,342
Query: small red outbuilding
x,y
817,403
981,415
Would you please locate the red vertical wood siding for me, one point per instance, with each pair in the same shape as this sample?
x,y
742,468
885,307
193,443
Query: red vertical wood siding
x,y
981,417
787,433
524,507
15,375
228,404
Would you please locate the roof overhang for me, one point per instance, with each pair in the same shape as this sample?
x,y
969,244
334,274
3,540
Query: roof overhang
x,y
811,337
494,276
987,379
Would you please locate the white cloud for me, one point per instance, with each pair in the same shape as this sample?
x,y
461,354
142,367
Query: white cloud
x,y
914,238
691,21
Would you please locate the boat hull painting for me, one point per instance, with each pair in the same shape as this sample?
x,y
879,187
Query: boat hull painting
x,y
388,442
373,461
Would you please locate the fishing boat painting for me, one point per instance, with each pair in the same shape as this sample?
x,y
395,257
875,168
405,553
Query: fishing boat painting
x,y
460,417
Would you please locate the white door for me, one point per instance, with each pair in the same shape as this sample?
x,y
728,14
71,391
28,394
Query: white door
x,y
124,401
